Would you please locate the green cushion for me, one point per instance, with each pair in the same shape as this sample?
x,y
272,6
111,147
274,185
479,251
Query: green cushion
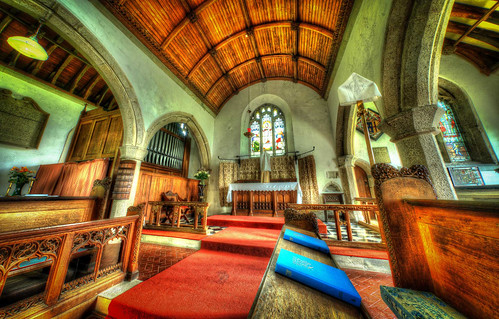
x,y
408,304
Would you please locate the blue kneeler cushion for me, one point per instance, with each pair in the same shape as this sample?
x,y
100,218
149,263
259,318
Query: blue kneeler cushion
x,y
413,304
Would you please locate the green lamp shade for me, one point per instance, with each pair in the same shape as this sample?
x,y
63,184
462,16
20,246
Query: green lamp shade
x,y
28,47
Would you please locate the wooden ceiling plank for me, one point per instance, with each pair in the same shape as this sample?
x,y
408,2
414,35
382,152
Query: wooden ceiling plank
x,y
244,9
61,68
77,78
483,18
186,5
251,34
39,64
15,57
91,85
316,28
204,5
312,63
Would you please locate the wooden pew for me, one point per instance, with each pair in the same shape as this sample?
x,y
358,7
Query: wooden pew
x,y
448,248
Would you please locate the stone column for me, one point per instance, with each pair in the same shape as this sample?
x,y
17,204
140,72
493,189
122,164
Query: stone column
x,y
137,154
413,132
347,174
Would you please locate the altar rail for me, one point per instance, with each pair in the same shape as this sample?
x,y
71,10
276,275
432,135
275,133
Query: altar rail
x,y
46,271
199,208
338,211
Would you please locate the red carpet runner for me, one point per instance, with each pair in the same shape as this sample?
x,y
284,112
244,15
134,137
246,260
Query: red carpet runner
x,y
254,222
219,281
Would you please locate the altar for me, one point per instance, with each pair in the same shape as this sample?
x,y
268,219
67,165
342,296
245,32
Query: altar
x,y
263,198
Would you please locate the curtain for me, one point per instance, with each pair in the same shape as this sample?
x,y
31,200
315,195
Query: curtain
x,y
250,169
308,180
46,178
283,168
77,179
227,175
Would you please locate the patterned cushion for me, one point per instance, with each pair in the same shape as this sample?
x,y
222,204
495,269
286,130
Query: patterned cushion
x,y
406,303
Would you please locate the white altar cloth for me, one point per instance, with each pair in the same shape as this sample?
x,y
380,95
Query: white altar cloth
x,y
289,186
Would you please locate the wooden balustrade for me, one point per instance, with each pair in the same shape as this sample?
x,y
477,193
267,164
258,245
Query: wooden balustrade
x,y
199,208
46,271
371,218
338,211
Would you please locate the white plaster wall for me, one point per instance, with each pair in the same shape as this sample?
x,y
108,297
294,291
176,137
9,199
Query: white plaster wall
x,y
305,111
482,89
194,159
64,113
157,91
361,50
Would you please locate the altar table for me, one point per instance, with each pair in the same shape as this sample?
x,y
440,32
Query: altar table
x,y
263,197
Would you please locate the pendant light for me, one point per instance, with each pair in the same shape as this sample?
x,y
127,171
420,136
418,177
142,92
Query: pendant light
x,y
29,46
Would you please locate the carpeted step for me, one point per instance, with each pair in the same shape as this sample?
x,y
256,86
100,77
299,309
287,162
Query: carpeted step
x,y
247,241
254,222
207,284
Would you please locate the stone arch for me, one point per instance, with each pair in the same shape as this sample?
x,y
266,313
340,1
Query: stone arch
x,y
475,138
68,26
194,128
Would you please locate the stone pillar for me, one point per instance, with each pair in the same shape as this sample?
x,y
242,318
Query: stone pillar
x,y
413,132
347,175
137,154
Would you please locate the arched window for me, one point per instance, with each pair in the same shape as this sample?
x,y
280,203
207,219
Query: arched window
x,y
268,127
452,138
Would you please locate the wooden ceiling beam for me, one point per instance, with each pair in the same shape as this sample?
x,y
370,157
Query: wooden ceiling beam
x,y
483,35
61,68
90,86
103,95
5,22
76,79
250,33
460,10
39,64
483,18
295,27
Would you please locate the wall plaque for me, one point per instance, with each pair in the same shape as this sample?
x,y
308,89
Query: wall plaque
x,y
22,122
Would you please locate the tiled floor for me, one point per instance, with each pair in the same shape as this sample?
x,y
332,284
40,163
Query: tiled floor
x,y
156,258
153,259
359,233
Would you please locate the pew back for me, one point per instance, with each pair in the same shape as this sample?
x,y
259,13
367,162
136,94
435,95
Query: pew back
x,y
449,248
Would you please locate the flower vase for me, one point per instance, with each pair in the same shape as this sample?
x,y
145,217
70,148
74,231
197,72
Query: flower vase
x,y
18,189
201,187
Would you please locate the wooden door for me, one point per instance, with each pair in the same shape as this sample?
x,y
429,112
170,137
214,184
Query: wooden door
x,y
362,182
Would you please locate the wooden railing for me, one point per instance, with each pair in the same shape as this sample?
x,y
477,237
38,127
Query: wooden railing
x,y
199,209
46,271
371,219
338,211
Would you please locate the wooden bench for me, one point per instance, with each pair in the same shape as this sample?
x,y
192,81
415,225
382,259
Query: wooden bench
x,y
448,248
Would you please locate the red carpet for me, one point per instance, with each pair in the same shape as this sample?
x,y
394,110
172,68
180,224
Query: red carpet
x,y
247,241
175,234
356,252
207,284
254,222
219,281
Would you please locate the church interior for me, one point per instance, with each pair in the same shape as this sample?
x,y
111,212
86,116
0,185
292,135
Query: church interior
x,y
153,154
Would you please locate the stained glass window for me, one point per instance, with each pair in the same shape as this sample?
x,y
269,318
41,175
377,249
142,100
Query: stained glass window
x,y
268,127
454,143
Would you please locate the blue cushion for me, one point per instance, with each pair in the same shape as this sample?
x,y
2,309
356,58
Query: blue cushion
x,y
407,303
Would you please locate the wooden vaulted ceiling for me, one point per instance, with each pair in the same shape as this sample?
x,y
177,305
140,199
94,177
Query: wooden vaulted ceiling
x,y
473,33
218,47
65,69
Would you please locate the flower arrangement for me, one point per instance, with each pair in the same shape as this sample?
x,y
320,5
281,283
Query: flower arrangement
x,y
202,174
20,176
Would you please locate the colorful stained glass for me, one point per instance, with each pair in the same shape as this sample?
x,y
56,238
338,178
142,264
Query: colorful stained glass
x,y
268,128
255,139
267,132
279,136
454,143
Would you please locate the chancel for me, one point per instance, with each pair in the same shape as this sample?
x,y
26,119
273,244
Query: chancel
x,y
156,152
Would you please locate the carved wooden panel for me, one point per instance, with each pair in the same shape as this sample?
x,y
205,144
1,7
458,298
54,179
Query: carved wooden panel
x,y
97,135
22,122
124,180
